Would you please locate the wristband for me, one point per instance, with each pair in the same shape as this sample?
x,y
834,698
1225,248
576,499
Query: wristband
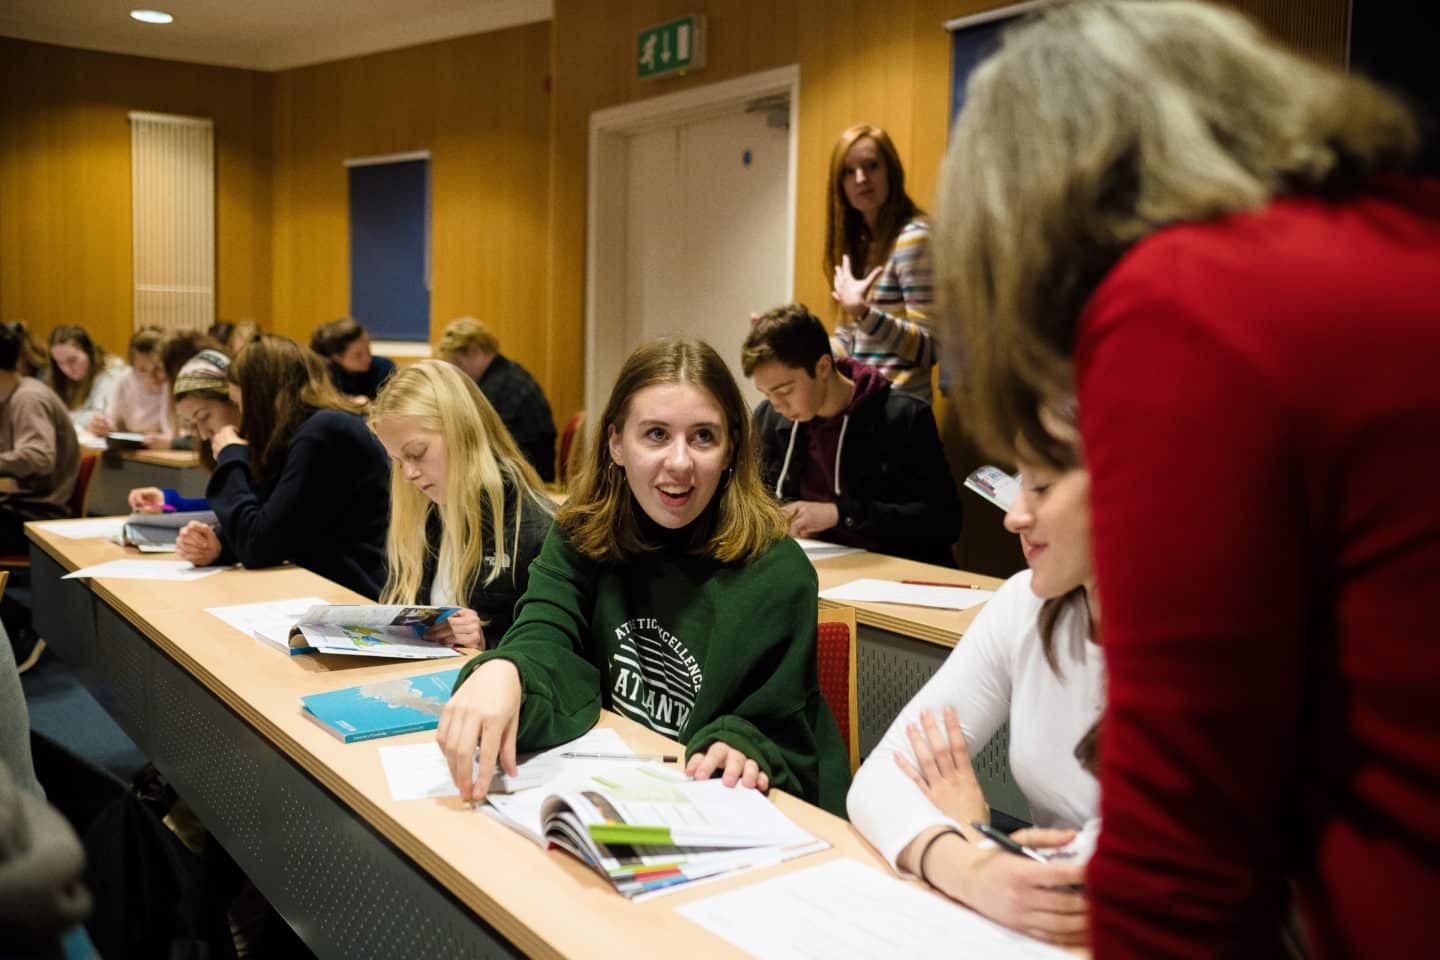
x,y
925,851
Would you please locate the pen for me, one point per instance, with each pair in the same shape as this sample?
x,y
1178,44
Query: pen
x,y
1003,841
662,758
936,583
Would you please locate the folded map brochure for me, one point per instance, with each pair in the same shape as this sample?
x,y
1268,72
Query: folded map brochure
x,y
994,485
649,829
156,532
361,630
386,708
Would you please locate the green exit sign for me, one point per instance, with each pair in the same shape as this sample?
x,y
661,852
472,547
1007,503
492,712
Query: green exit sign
x,y
673,47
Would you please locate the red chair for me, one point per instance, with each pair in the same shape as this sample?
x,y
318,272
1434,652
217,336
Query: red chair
x,y
79,501
835,657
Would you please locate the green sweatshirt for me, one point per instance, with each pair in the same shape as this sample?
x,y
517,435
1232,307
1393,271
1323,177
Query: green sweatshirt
x,y
692,648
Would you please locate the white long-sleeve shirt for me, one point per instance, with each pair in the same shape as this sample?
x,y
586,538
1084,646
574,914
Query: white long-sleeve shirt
x,y
102,388
997,672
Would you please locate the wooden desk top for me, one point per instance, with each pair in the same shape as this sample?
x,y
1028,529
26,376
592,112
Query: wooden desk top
x,y
547,904
944,627
179,459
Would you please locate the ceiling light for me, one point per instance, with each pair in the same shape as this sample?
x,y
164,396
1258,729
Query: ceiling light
x,y
151,16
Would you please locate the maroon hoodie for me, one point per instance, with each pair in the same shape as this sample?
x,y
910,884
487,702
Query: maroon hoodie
x,y
823,437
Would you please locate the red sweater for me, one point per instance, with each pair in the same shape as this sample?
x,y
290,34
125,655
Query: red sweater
x,y
1260,408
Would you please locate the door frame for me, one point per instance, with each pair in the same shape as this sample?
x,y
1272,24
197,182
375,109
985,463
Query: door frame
x,y
606,199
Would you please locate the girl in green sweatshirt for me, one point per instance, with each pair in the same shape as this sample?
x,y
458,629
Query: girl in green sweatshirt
x,y
667,592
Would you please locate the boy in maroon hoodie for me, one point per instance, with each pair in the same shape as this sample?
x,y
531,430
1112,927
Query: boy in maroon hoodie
x,y
853,461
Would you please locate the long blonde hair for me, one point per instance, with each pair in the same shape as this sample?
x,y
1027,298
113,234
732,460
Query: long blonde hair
x,y
482,460
1097,124
601,518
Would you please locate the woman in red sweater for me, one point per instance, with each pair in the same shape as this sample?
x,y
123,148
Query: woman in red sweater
x,y
1213,241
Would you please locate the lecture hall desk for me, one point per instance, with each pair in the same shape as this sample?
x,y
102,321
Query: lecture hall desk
x,y
899,648
120,471
310,819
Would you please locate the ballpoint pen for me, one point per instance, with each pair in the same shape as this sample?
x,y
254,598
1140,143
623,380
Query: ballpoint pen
x,y
1004,842
659,757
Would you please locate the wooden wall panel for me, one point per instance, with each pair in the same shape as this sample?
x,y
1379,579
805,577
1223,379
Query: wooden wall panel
x,y
480,105
65,225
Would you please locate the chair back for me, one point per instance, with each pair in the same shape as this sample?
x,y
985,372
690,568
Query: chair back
x,y
835,658
80,496
567,445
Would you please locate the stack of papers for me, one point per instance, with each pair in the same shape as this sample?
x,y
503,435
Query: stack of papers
x,y
820,550
176,570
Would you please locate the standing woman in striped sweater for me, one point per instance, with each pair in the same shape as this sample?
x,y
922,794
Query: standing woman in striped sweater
x,y
877,248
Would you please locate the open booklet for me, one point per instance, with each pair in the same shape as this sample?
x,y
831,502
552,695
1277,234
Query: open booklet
x,y
648,828
310,625
156,532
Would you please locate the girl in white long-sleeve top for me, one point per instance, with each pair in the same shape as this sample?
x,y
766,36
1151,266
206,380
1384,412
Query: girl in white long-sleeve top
x,y
1031,658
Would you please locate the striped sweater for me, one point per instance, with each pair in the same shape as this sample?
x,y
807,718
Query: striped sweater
x,y
895,334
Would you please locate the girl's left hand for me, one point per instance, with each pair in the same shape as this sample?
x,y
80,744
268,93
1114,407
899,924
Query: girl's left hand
x,y
852,293
735,767
223,437
945,774
461,629
157,441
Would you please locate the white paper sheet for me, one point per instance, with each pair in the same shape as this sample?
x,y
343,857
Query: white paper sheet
x,y
269,618
103,528
418,770
846,909
911,594
175,570
820,550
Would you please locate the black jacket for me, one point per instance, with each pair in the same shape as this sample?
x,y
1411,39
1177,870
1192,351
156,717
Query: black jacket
x,y
896,495
326,510
524,410
495,603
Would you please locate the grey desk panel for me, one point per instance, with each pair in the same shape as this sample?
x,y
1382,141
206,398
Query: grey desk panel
x,y
891,669
345,889
116,476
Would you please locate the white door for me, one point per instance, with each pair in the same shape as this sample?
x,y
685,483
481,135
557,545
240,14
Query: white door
x,y
706,236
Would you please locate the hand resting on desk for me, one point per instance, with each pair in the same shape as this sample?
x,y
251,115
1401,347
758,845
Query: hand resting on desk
x,y
198,543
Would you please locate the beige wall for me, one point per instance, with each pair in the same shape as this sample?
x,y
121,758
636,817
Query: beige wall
x,y
65,240
479,104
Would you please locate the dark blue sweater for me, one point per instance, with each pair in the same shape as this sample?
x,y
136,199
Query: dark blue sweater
x,y
325,510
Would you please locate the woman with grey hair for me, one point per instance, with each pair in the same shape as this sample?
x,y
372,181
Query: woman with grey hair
x,y
1214,243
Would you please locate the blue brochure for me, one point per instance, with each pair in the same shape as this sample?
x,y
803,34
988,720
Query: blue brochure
x,y
383,709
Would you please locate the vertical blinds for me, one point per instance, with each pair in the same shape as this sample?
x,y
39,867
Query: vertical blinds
x,y
173,203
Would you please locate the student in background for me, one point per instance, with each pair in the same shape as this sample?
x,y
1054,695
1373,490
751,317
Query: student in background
x,y
1031,658
877,249
346,346
302,480
34,360
514,394
177,349
38,448
852,459
202,406
667,592
141,401
82,373
467,515
1215,243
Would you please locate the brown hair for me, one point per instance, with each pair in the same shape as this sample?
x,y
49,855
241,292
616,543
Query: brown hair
x,y
145,341
33,357
1097,124
791,336
179,346
845,231
601,517
281,385
330,339
462,335
75,392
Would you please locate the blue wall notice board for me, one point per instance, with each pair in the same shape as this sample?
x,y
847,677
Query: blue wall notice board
x,y
390,248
